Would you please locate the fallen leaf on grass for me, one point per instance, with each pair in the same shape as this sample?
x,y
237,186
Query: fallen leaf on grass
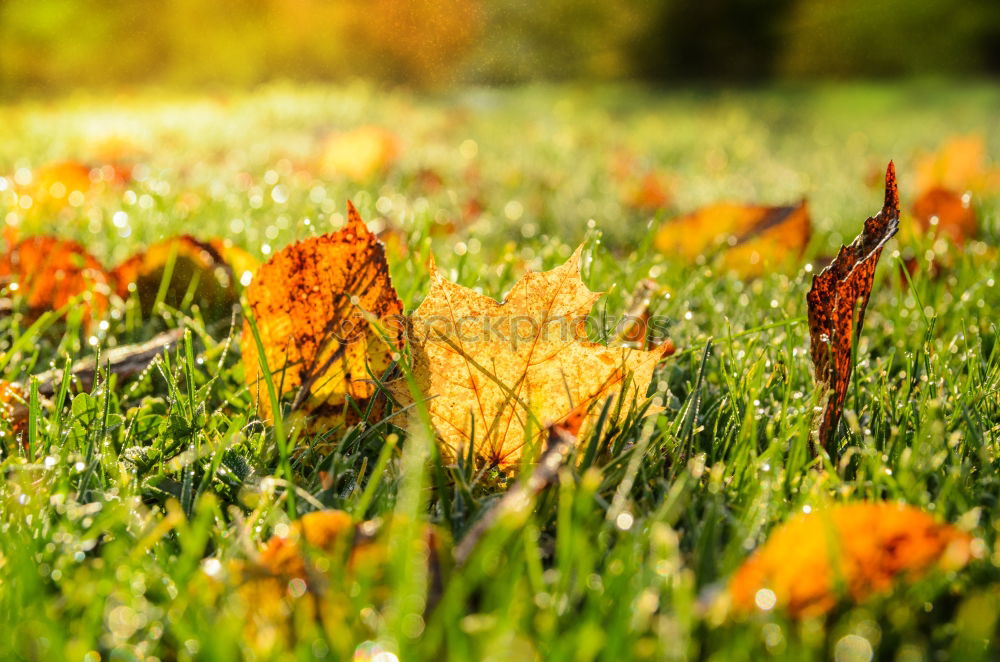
x,y
650,193
636,329
54,185
54,182
494,375
309,571
642,188
958,165
947,214
849,551
318,304
359,153
752,239
13,406
200,274
837,302
49,273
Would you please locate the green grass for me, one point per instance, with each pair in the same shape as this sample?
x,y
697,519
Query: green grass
x,y
124,490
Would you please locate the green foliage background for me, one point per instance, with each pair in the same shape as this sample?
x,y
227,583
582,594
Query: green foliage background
x,y
67,44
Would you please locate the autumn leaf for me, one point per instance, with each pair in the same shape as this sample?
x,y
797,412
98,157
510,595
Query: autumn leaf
x,y
200,274
853,551
242,264
642,188
358,154
752,239
493,375
283,554
635,329
318,305
947,214
54,185
837,302
309,569
54,182
650,193
958,165
49,273
13,406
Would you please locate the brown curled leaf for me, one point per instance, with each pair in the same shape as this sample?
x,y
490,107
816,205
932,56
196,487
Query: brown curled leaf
x,y
322,306
837,302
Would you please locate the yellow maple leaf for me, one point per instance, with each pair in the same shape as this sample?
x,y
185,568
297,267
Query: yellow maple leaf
x,y
494,374
322,307
852,550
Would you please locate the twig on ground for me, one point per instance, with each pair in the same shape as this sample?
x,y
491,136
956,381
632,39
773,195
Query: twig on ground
x,y
126,361
561,441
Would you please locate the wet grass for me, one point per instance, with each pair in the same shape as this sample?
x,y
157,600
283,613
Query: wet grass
x,y
122,497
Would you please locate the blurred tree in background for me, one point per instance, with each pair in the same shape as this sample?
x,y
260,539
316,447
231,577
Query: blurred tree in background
x,y
555,40
55,45
865,38
732,39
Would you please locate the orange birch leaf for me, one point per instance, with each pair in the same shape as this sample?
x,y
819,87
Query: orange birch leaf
x,y
837,302
496,374
318,305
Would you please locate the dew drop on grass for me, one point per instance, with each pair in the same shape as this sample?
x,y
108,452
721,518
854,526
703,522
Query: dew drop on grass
x,y
624,521
765,599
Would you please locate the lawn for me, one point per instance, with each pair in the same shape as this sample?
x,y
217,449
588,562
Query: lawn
x,y
131,508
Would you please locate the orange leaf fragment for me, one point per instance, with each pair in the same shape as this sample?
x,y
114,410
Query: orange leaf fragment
x,y
947,213
494,375
13,406
319,305
837,302
57,180
359,154
753,239
242,264
854,550
200,273
307,573
650,193
282,555
958,165
49,273
54,184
